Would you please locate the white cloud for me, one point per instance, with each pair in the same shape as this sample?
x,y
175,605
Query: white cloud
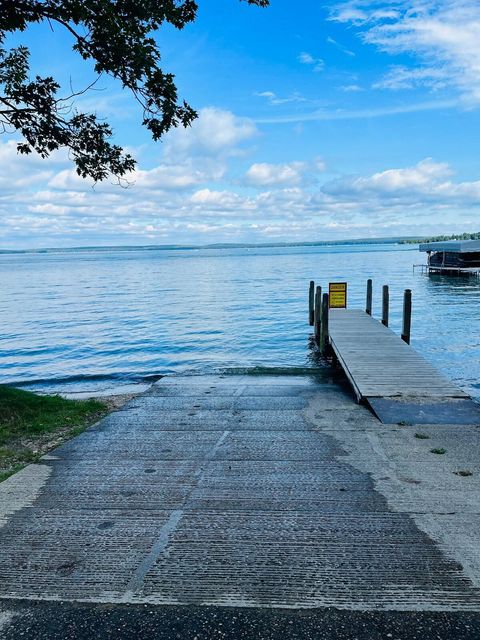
x,y
306,58
68,179
223,199
265,174
443,34
165,176
326,115
181,176
50,208
23,171
351,88
340,47
421,176
401,77
215,131
425,184
274,99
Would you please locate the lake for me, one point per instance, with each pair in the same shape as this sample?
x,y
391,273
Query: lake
x,y
97,319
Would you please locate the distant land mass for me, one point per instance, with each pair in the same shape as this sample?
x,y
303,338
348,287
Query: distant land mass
x,y
461,236
220,245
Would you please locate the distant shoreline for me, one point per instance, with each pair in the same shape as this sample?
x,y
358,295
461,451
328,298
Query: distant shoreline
x,y
262,245
461,236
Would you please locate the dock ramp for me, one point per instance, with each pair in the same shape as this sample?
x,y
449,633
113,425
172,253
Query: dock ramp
x,y
395,380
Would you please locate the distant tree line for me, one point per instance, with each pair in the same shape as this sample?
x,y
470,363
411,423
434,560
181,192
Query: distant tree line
x,y
459,236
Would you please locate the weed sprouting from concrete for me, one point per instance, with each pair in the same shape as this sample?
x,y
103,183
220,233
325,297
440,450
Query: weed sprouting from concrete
x,y
464,473
438,450
422,436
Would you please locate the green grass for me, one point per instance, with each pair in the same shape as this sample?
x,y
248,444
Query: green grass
x,y
438,450
10,471
31,424
422,436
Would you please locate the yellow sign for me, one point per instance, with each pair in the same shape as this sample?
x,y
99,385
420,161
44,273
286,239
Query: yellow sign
x,y
337,295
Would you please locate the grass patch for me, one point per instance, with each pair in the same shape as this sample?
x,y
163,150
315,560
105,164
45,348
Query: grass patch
x,y
26,413
439,451
404,423
422,436
10,471
30,425
464,474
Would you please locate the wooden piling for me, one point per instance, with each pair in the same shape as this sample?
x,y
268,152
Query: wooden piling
x,y
311,302
324,327
407,315
385,304
318,313
368,307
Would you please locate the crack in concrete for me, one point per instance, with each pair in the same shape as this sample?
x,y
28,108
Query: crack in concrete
x,y
160,547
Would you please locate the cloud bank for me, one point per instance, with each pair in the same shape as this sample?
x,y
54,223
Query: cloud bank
x,y
198,193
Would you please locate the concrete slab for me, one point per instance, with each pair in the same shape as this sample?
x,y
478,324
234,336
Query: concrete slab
x,y
295,501
426,411
231,403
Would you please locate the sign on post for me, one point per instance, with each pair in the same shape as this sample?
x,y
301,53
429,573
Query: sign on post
x,y
337,295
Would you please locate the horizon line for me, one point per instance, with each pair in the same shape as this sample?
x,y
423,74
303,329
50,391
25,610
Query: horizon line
x,y
222,245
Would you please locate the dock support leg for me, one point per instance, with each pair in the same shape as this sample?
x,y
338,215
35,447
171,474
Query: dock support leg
x,y
368,307
324,328
311,302
318,314
407,315
385,304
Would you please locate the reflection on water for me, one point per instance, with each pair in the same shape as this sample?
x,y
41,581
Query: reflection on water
x,y
102,315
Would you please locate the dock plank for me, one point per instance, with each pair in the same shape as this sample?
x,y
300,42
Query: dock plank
x,y
379,364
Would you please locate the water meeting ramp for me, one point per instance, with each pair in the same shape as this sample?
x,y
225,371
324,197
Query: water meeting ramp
x,y
392,377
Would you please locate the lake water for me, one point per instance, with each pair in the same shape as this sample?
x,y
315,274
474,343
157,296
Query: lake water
x,y
89,320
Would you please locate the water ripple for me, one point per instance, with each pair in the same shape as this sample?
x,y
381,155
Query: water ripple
x,y
100,315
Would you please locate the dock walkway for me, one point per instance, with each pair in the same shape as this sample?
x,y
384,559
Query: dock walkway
x,y
379,364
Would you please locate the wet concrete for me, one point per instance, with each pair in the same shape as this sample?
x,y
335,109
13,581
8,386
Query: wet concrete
x,y
273,492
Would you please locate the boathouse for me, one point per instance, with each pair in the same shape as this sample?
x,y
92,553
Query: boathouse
x,y
454,257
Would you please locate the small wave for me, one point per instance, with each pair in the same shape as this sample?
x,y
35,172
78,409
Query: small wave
x,y
272,371
100,377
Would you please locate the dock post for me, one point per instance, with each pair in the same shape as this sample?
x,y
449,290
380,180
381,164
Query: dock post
x,y
311,302
324,327
407,315
318,314
368,308
385,304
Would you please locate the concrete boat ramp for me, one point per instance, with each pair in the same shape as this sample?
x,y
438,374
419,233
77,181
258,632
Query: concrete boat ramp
x,y
266,500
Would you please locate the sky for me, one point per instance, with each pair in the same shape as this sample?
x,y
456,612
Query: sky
x,y
317,121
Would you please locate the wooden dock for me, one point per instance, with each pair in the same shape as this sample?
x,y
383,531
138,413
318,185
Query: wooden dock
x,y
398,385
379,364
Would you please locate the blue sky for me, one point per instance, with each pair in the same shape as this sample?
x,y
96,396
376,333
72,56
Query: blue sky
x,y
351,119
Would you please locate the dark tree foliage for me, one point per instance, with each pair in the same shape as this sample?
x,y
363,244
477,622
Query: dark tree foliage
x,y
117,35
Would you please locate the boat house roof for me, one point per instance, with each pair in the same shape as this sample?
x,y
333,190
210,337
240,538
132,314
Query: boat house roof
x,y
453,246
